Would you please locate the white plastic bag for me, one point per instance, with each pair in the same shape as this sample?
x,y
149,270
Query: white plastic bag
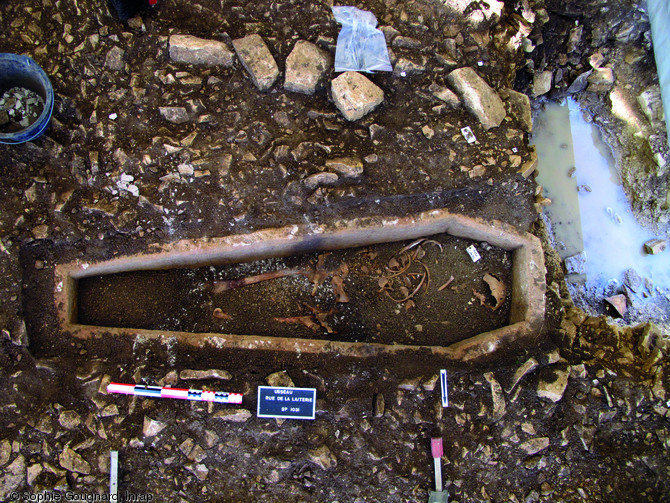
x,y
361,47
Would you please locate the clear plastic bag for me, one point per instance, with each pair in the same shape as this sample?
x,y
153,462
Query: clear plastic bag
x,y
361,47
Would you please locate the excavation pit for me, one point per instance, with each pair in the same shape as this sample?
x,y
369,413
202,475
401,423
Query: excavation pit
x,y
359,288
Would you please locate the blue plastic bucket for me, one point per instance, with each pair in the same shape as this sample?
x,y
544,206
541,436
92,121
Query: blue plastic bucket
x,y
22,71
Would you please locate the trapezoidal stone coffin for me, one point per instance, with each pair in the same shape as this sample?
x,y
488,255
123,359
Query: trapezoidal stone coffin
x,y
527,298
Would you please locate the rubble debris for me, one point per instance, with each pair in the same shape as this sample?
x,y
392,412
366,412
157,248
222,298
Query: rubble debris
x,y
554,389
114,59
534,445
73,462
542,82
306,68
258,61
322,457
519,105
355,96
197,51
348,167
176,115
152,427
655,246
478,97
619,303
233,415
576,264
190,375
601,80
280,379
446,95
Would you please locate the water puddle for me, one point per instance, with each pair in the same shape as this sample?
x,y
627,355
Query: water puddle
x,y
589,211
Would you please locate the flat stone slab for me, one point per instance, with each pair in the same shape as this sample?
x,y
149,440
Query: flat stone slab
x,y
258,61
355,95
306,68
478,97
199,51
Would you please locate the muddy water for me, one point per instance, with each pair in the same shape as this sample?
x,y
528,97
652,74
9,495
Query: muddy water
x,y
589,210
376,280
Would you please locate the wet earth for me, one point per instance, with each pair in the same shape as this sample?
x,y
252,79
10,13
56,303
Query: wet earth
x,y
579,412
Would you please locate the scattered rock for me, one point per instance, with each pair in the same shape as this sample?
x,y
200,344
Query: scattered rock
x,y
197,454
281,379
320,180
632,279
5,452
73,462
576,264
601,80
186,446
534,445
580,83
348,167
197,51
114,59
33,472
445,94
188,375
379,405
655,246
553,390
406,43
619,303
152,427
322,457
355,95
429,383
519,105
69,419
306,68
176,115
258,61
411,384
233,415
478,97
12,477
211,439
651,104
542,83
405,67
199,470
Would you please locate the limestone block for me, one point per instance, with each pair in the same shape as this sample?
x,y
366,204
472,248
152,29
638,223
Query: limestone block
x,y
542,82
306,68
198,51
519,105
258,61
355,95
478,97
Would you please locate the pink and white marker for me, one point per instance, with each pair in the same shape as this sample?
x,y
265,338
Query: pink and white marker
x,y
181,394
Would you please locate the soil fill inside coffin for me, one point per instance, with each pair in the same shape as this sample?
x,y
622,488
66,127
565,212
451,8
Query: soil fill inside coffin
x,y
416,292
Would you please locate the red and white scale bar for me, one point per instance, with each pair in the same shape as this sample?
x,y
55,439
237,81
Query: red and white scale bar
x,y
181,394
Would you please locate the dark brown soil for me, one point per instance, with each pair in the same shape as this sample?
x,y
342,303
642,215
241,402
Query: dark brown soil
x,y
63,198
183,300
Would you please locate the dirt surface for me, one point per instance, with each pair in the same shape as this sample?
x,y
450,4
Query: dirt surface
x,y
383,294
586,421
